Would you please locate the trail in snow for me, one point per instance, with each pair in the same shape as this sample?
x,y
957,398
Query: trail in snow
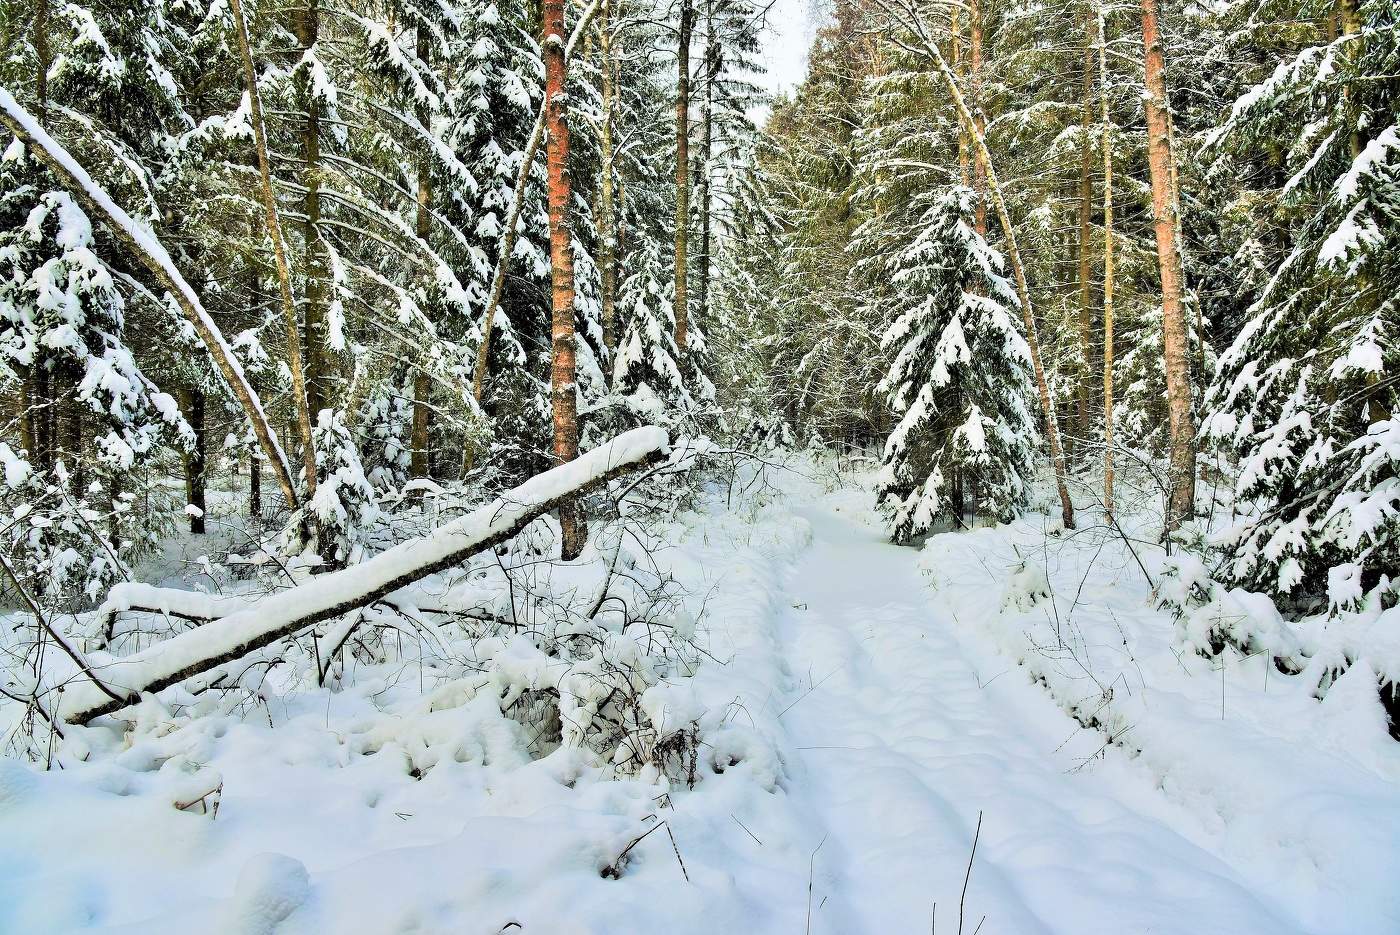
x,y
902,738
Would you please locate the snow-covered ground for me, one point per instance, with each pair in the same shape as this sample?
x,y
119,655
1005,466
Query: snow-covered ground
x,y
860,706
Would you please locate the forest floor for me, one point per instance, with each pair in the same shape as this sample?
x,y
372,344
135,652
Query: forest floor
x,y
891,750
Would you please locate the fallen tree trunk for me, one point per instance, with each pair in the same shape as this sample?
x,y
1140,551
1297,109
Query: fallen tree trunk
x,y
330,595
154,257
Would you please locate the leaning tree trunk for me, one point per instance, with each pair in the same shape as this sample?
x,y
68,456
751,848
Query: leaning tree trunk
x,y
1108,258
979,117
1164,222
157,261
683,170
279,250
1013,256
561,260
419,465
1086,198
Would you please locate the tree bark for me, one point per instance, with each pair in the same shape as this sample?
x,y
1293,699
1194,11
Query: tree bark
x,y
419,461
1106,128
157,261
284,275
562,375
1086,198
314,321
510,233
683,170
1175,340
193,400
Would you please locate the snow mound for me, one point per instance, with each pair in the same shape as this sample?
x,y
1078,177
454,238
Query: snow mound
x,y
270,888
16,784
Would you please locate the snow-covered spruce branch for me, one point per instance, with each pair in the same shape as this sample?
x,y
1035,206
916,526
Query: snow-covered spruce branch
x,y
287,612
152,254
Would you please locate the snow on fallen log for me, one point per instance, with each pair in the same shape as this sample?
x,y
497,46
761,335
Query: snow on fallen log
x,y
287,612
135,597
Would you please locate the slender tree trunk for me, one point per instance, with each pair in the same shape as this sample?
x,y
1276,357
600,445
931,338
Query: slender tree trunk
x,y
1086,198
683,170
1013,256
308,28
72,423
33,387
979,117
279,250
254,482
607,218
561,257
193,400
713,60
1174,330
1106,134
419,464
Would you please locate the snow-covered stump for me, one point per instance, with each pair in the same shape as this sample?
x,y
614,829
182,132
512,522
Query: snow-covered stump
x,y
327,596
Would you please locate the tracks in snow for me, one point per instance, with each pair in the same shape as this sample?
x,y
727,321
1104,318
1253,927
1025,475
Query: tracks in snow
x,y
901,734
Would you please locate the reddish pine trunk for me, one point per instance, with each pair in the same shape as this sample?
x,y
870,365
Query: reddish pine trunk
x,y
561,258
1160,163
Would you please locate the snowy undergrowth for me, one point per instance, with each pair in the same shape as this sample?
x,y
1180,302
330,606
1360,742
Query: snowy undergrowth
x,y
1302,796
502,763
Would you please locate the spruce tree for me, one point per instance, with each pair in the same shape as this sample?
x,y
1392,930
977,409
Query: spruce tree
x,y
959,380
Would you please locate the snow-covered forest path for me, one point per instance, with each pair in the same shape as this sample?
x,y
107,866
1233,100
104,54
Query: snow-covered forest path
x,y
903,733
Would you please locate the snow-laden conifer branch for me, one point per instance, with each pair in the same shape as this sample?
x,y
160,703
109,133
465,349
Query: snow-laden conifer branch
x,y
330,595
152,254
